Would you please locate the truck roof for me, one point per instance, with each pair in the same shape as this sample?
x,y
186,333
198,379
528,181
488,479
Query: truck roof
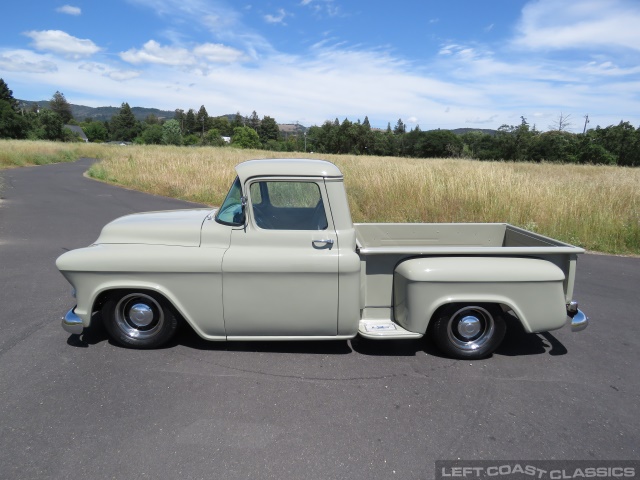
x,y
287,167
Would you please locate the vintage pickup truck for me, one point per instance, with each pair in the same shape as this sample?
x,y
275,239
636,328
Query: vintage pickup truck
x,y
282,260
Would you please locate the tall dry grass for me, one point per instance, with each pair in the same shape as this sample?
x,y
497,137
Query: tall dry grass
x,y
23,153
596,207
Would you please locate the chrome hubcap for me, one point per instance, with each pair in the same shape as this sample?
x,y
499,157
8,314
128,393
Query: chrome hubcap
x,y
469,327
141,315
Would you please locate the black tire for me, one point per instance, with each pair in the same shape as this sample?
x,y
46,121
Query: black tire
x,y
468,331
139,319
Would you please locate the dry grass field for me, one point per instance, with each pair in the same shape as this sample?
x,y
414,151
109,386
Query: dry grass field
x,y
24,153
596,207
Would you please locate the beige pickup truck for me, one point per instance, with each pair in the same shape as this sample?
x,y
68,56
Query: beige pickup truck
x,y
282,260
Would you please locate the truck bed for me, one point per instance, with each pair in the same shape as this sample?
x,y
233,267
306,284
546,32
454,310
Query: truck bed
x,y
454,238
383,246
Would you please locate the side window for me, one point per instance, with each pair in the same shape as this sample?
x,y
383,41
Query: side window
x,y
231,211
288,205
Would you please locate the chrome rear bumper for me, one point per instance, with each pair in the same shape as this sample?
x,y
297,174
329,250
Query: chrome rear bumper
x,y
579,321
72,323
576,317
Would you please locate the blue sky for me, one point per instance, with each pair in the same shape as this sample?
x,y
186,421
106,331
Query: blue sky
x,y
446,64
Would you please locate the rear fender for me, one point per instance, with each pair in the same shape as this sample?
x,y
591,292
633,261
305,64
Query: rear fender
x,y
532,288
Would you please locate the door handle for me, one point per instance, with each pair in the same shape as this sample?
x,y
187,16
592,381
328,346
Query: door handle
x,y
328,243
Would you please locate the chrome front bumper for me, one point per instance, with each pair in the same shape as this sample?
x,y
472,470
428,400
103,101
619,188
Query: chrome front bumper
x,y
72,323
576,317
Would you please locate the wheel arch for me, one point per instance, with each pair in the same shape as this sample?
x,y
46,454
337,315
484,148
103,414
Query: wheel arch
x,y
504,303
104,291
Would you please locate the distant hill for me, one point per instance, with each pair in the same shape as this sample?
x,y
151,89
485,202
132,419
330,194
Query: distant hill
x,y
82,112
462,131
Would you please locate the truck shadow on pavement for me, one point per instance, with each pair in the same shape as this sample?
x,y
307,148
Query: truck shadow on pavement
x,y
517,342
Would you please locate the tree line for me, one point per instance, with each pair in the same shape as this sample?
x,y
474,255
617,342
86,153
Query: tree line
x,y
614,145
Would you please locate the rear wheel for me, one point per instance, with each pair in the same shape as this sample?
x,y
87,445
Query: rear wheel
x,y
469,331
139,319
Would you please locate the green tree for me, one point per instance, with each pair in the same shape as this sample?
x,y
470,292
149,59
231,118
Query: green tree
x,y
400,127
202,120
213,138
238,121
245,137
223,126
49,125
554,146
151,119
190,122
594,153
95,131
254,121
123,125
12,125
191,139
6,94
438,143
60,106
171,133
153,135
180,117
622,140
268,130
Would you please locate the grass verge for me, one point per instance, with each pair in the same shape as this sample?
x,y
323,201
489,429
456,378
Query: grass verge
x,y
24,153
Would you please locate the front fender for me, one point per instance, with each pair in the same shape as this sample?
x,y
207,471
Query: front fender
x,y
532,288
190,278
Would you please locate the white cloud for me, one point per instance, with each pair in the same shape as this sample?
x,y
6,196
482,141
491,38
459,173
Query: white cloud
x,y
217,53
201,55
481,120
153,52
105,71
61,42
322,7
17,62
223,22
92,67
608,69
122,75
461,84
69,10
278,18
584,25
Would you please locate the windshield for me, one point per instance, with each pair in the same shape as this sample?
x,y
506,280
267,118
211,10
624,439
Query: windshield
x,y
231,211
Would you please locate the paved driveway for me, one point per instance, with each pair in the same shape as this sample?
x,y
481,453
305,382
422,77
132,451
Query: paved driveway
x,y
85,408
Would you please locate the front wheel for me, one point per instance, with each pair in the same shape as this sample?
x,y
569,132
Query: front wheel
x,y
469,331
137,319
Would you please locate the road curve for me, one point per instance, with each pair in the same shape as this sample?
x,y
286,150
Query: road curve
x,y
84,408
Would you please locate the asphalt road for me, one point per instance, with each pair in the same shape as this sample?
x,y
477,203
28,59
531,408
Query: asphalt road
x,y
81,407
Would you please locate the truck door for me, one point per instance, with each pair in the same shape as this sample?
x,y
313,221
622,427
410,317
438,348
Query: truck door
x,y
280,273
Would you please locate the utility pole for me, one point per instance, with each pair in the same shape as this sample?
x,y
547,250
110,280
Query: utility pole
x,y
586,120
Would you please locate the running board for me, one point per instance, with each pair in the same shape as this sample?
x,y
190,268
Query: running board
x,y
384,330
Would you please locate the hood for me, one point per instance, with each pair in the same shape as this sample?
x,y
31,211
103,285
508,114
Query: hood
x,y
173,227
